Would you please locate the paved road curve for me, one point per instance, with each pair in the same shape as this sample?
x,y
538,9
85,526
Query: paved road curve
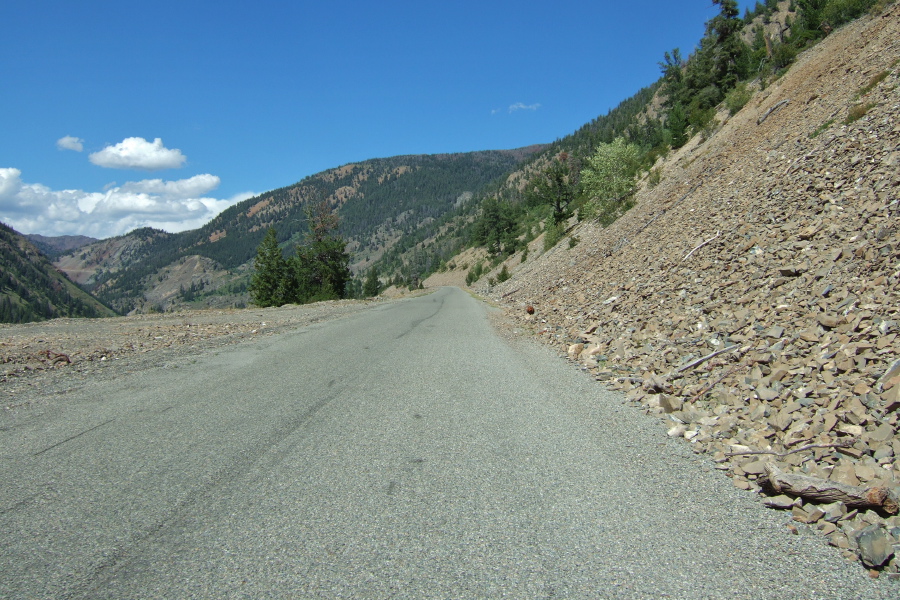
x,y
405,452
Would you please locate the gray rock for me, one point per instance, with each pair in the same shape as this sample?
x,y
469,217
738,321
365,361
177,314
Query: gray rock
x,y
874,545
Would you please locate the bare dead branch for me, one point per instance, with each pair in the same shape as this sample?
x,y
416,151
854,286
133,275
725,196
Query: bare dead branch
x,y
700,246
841,444
700,361
766,114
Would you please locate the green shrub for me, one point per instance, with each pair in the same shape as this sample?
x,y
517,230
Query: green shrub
x,y
503,275
857,112
553,233
838,12
475,273
872,83
737,98
821,128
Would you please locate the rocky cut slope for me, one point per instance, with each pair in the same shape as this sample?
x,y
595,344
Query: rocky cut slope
x,y
752,298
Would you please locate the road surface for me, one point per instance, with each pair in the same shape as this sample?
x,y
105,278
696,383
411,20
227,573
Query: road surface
x,y
406,451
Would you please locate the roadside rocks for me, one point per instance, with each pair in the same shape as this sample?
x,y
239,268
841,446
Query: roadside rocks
x,y
752,299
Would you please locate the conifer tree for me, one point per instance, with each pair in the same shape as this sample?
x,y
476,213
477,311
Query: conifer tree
x,y
266,286
372,286
555,186
322,265
731,53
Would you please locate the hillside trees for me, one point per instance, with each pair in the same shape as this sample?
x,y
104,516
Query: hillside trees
x,y
319,270
608,179
497,228
555,186
691,89
32,289
372,286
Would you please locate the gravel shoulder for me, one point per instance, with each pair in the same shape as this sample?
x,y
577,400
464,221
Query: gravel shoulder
x,y
38,360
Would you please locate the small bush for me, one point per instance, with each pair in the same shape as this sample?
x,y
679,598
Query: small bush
x,y
821,128
857,112
553,233
573,241
503,275
709,130
475,273
872,83
737,98
838,12
654,178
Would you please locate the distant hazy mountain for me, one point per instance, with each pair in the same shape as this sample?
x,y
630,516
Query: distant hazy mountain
x,y
32,289
54,246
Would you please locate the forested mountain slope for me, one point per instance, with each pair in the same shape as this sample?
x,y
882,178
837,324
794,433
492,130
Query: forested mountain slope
x,y
378,201
32,289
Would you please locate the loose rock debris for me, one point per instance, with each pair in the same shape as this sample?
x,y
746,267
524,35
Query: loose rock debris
x,y
752,299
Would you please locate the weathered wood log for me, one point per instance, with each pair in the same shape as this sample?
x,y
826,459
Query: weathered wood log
x,y
805,448
702,360
820,490
700,246
765,115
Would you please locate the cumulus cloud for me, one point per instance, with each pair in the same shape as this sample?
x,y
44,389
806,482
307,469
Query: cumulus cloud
x,y
169,205
10,184
70,143
522,106
138,153
184,188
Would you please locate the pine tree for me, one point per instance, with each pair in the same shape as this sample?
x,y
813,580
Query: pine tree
x,y
731,53
266,285
555,186
322,265
372,286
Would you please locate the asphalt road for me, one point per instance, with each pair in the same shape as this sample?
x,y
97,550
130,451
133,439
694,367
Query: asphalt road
x,y
406,451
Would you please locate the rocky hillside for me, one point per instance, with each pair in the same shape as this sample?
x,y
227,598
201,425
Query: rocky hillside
x,y
752,298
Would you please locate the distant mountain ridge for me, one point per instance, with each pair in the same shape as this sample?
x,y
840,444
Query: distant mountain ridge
x,y
379,201
57,245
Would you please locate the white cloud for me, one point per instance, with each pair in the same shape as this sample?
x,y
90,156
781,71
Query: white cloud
x,y
522,106
138,153
184,188
70,143
10,184
169,205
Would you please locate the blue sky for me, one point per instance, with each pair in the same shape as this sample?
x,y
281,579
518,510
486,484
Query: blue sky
x,y
119,115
